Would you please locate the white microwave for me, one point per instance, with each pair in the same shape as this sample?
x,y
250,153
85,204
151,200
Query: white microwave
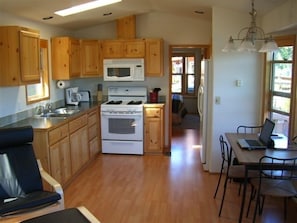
x,y
123,69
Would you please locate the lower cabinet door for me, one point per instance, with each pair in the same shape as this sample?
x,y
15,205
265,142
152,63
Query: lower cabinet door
x,y
60,161
79,148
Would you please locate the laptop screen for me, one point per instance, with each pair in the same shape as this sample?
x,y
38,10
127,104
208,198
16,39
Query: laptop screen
x,y
266,131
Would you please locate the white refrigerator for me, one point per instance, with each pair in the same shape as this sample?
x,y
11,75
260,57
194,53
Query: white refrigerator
x,y
204,113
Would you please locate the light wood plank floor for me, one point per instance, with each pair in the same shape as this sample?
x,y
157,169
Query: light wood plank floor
x,y
160,189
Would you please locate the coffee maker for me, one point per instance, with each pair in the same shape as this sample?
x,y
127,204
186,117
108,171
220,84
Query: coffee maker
x,y
73,97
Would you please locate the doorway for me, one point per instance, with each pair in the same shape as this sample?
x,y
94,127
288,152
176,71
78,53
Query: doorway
x,y
184,80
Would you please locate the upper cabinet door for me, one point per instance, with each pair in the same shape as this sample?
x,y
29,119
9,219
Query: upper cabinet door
x,y
30,56
134,48
66,58
123,48
20,56
113,49
91,58
154,57
75,58
126,27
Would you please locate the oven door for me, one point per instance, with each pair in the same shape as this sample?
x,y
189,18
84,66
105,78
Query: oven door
x,y
126,127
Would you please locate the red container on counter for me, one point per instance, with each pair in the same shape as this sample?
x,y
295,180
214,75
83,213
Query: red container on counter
x,y
153,97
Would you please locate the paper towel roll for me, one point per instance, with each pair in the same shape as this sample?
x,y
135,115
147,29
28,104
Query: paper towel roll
x,y
63,84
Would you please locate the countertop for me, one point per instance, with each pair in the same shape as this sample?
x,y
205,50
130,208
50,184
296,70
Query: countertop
x,y
47,123
151,105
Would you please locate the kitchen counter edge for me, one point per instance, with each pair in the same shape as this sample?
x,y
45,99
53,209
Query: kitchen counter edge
x,y
48,123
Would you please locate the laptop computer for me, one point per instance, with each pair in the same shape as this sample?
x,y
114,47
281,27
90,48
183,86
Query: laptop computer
x,y
263,140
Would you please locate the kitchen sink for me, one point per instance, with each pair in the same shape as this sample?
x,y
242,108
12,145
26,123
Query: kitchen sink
x,y
59,113
53,115
66,111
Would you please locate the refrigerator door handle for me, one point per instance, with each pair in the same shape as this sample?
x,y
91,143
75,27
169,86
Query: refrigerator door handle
x,y
200,100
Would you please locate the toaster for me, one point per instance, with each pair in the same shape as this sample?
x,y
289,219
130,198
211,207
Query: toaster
x,y
85,95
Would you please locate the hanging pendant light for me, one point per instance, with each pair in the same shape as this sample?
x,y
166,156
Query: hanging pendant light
x,y
249,36
230,46
269,46
246,45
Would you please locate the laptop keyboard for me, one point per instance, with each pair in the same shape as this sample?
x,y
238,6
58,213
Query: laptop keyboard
x,y
253,142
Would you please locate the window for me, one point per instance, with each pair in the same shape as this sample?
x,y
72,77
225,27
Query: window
x,y
40,91
183,74
281,82
280,102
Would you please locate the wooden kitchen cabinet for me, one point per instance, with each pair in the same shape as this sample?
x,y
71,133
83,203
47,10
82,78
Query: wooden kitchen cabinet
x,y
52,149
72,58
153,128
64,149
41,148
66,58
20,56
154,58
134,48
93,132
79,146
112,49
123,48
60,161
126,27
91,58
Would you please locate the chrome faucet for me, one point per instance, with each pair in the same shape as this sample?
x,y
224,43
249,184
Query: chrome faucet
x,y
39,110
48,107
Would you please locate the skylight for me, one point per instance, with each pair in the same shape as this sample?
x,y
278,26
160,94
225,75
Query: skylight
x,y
85,7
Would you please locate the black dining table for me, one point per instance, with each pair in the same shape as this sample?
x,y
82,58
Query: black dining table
x,y
250,158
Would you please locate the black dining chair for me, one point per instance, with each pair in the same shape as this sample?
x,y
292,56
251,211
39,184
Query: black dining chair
x,y
231,171
294,140
276,178
249,129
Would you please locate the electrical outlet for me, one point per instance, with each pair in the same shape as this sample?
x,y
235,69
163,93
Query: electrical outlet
x,y
238,83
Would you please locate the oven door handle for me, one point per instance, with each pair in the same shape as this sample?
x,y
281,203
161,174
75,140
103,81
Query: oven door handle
x,y
121,114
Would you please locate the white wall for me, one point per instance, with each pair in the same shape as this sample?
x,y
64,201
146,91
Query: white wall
x,y
239,105
282,18
173,28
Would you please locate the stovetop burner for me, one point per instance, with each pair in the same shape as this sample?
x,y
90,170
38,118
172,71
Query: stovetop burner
x,y
134,102
120,97
114,102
